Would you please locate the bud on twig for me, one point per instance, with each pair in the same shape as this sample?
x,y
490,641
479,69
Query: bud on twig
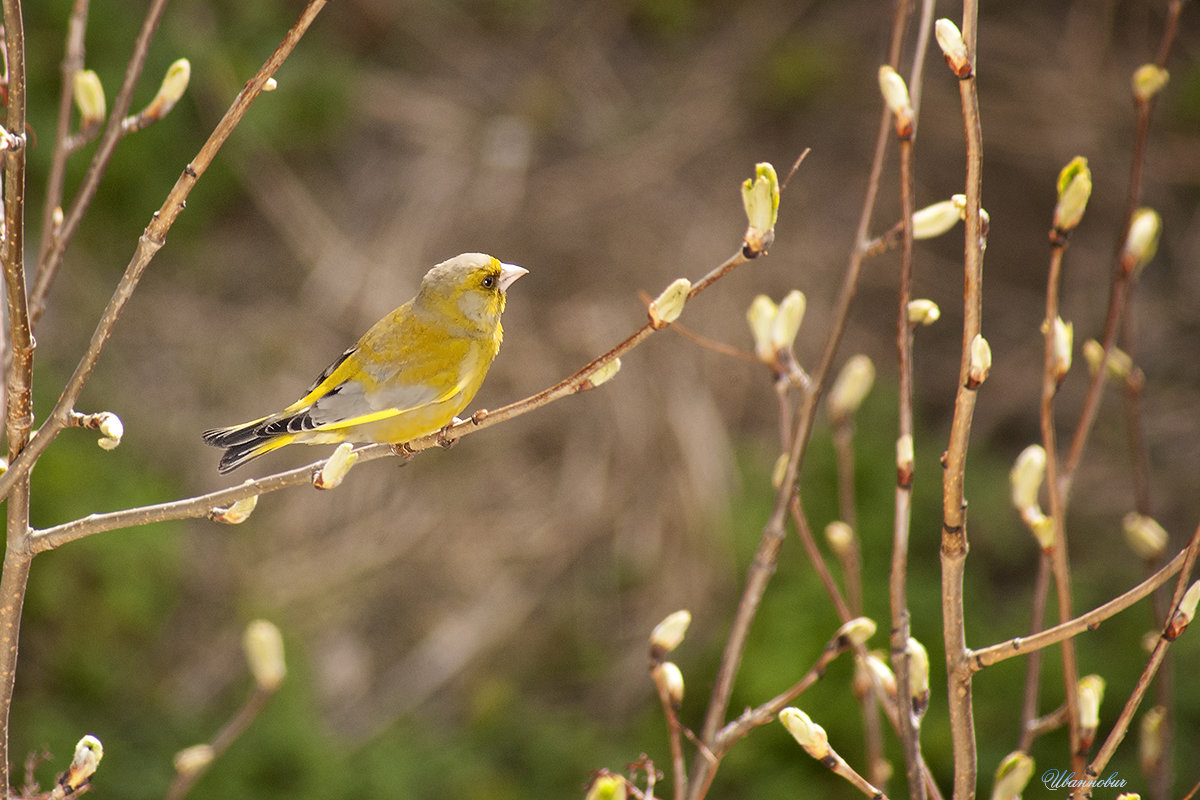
x,y
779,471
1151,739
263,645
1062,343
857,631
1091,694
1144,535
1026,476
1074,190
1185,612
918,676
895,95
174,84
934,220
904,460
840,537
668,634
1119,365
1012,776
761,317
787,321
89,99
850,388
235,514
333,472
923,312
882,673
1148,80
667,307
88,753
194,759
760,196
1142,242
606,786
953,47
669,680
980,363
808,734
602,374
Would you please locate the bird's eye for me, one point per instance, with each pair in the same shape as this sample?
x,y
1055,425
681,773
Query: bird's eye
x,y
489,282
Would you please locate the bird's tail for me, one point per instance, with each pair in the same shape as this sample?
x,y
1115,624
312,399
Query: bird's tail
x,y
247,441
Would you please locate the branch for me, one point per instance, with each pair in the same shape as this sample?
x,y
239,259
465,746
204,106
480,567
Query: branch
x,y
149,244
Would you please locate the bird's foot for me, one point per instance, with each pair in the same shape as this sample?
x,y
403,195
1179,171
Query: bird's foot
x,y
444,439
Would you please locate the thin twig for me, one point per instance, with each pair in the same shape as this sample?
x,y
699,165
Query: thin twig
x,y
235,727
954,522
1033,665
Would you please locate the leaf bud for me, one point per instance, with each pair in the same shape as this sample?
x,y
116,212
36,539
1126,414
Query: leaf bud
x,y
850,388
761,317
1074,190
1144,535
1026,476
1012,776
1142,242
263,645
808,734
602,374
88,753
1119,365
857,631
1091,695
980,363
1185,612
669,680
333,472
1151,739
923,312
235,514
667,307
668,634
607,786
904,460
1148,80
89,98
895,95
787,320
840,538
934,220
950,39
1062,339
760,197
194,759
918,676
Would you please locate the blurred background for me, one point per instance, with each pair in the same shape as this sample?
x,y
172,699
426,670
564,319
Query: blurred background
x,y
473,624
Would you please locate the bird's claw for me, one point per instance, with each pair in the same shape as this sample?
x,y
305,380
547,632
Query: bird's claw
x,y
443,438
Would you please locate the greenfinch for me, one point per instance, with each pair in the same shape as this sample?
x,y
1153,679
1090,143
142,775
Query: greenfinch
x,y
409,375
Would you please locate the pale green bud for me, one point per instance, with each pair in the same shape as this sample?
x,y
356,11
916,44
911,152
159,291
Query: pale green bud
x,y
788,318
1026,476
761,316
1148,80
882,673
1012,776
1144,535
1187,610
174,84
850,388
840,537
808,734
668,634
934,220
1042,528
89,98
336,466
779,472
111,429
904,459
857,631
1091,694
607,786
1142,242
1119,365
263,645
88,753
670,680
1151,739
760,196
980,363
918,676
923,312
602,374
194,759
895,95
950,39
235,514
1074,191
667,307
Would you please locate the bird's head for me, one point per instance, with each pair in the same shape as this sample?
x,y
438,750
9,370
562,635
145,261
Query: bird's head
x,y
469,286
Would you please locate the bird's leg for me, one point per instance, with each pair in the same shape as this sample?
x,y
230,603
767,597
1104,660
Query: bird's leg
x,y
443,439
404,451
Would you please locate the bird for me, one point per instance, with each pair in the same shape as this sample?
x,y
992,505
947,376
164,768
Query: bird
x,y
409,375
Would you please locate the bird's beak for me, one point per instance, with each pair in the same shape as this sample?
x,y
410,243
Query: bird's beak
x,y
509,274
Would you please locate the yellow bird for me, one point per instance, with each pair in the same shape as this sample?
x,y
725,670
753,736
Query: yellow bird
x,y
408,376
